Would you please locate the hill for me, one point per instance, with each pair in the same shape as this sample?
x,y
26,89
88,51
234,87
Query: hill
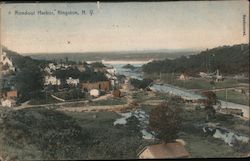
x,y
28,76
228,59
123,55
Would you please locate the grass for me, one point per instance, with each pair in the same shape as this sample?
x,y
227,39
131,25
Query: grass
x,y
233,96
40,101
197,83
203,84
113,101
200,145
38,133
207,147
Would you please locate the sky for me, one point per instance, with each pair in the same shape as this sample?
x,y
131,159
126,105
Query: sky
x,y
124,26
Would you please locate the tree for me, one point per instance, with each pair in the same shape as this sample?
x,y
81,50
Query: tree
x,y
211,97
165,122
210,112
141,84
97,65
211,100
129,66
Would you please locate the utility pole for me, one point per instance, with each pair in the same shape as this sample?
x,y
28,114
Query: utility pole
x,y
226,97
209,68
172,77
45,96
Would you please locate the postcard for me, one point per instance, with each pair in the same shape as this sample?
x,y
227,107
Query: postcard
x,y
124,80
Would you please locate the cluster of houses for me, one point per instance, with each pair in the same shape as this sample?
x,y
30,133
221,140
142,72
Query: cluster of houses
x,y
6,64
9,96
94,88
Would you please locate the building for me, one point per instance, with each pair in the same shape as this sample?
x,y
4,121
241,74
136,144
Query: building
x,y
6,62
11,94
8,102
71,81
116,93
81,68
99,69
52,66
218,77
184,77
164,151
113,79
94,92
51,80
47,70
111,70
102,85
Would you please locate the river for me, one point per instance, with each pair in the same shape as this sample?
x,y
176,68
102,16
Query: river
x,y
167,88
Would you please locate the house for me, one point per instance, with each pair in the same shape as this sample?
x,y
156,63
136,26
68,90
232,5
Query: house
x,y
218,77
184,77
6,62
51,80
99,69
111,70
11,94
52,66
81,68
94,92
164,151
8,102
102,85
71,81
116,93
47,70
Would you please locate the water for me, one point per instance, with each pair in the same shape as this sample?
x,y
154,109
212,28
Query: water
x,y
118,65
227,136
166,88
143,122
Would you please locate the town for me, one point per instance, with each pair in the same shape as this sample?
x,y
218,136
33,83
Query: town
x,y
98,88
129,80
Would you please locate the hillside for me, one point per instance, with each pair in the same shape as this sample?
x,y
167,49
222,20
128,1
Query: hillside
x,y
20,61
28,76
228,59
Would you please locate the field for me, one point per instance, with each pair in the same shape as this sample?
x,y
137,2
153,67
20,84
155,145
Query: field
x,y
195,83
233,96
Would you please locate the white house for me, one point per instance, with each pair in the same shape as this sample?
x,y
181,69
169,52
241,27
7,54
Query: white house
x,y
72,81
52,66
111,70
7,61
47,70
183,77
94,92
219,77
8,102
51,80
